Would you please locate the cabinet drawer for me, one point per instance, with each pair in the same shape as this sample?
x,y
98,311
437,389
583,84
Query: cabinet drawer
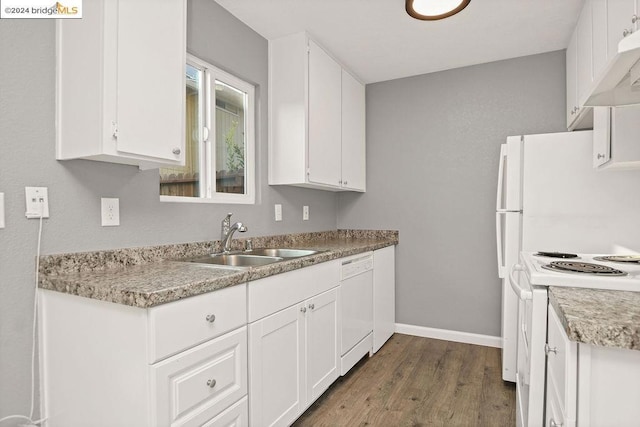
x,y
275,293
183,324
235,416
196,385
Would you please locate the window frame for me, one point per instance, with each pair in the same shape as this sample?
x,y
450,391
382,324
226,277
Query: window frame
x,y
207,104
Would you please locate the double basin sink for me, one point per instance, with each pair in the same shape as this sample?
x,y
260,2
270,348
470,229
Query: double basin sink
x,y
253,258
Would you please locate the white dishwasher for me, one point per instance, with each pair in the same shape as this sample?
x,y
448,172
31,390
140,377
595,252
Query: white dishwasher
x,y
356,307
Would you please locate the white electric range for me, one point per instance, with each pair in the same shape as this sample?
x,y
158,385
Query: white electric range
x,y
530,281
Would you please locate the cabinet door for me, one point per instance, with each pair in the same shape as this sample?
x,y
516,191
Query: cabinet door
x,y
325,81
151,78
601,136
277,368
572,79
599,42
353,133
585,64
322,343
562,371
384,296
619,16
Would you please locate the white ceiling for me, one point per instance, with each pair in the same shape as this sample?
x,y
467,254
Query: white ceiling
x,y
378,41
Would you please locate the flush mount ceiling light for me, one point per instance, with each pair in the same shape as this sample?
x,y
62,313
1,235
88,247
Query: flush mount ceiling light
x,y
432,10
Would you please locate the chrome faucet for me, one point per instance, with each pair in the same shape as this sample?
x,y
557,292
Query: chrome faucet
x,y
227,231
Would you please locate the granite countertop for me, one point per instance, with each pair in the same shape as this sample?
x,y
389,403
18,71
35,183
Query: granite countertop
x,y
149,276
599,317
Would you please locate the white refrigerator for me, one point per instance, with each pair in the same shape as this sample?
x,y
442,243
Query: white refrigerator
x,y
550,198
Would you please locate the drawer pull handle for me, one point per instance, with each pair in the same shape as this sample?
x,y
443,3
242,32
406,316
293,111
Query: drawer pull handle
x,y
211,318
553,423
211,383
548,349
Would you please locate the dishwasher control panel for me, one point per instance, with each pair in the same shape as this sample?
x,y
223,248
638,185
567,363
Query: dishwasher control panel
x,y
356,265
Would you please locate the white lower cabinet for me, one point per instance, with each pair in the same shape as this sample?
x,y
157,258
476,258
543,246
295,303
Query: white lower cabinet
x,y
257,354
199,383
293,359
293,342
589,385
384,295
182,363
561,375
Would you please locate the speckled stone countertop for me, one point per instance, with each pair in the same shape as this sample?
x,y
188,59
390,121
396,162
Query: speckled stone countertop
x,y
599,317
149,276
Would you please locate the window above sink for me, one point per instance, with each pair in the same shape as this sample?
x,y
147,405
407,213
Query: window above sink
x,y
219,140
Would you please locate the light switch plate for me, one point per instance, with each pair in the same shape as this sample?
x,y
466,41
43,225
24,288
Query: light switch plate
x,y
278,212
37,202
110,209
1,210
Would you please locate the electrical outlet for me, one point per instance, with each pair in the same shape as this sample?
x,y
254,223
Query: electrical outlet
x,y
305,213
37,202
278,212
110,212
1,210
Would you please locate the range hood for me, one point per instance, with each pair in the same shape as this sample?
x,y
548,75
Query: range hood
x,y
619,83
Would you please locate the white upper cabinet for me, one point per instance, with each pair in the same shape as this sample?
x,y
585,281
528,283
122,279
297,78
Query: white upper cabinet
x,y
325,106
580,71
316,118
620,22
353,133
594,44
572,79
120,83
616,144
600,54
585,50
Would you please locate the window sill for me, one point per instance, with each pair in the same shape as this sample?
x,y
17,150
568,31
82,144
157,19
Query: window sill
x,y
222,199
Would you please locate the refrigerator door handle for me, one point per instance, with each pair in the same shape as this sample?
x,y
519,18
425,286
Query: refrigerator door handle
x,y
499,242
503,158
523,294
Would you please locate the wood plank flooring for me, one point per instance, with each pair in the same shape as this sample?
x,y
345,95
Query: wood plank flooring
x,y
417,382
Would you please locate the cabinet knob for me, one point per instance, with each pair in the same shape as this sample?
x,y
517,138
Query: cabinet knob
x,y
600,156
211,383
553,423
176,151
303,309
626,32
548,349
345,183
634,19
312,306
211,318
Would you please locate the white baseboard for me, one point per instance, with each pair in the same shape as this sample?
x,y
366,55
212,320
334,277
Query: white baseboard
x,y
444,334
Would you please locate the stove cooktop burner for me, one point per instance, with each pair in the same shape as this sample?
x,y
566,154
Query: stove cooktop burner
x,y
556,254
583,268
627,259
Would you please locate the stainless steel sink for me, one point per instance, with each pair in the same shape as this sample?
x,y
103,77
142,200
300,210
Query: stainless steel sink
x,y
254,258
235,260
282,252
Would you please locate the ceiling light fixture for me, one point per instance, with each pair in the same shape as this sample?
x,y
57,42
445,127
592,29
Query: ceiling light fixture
x,y
432,10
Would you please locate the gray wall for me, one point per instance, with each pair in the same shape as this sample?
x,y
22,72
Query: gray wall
x,y
433,143
27,159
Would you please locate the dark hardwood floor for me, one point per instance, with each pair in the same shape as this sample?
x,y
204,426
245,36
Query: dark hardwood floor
x,y
415,381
